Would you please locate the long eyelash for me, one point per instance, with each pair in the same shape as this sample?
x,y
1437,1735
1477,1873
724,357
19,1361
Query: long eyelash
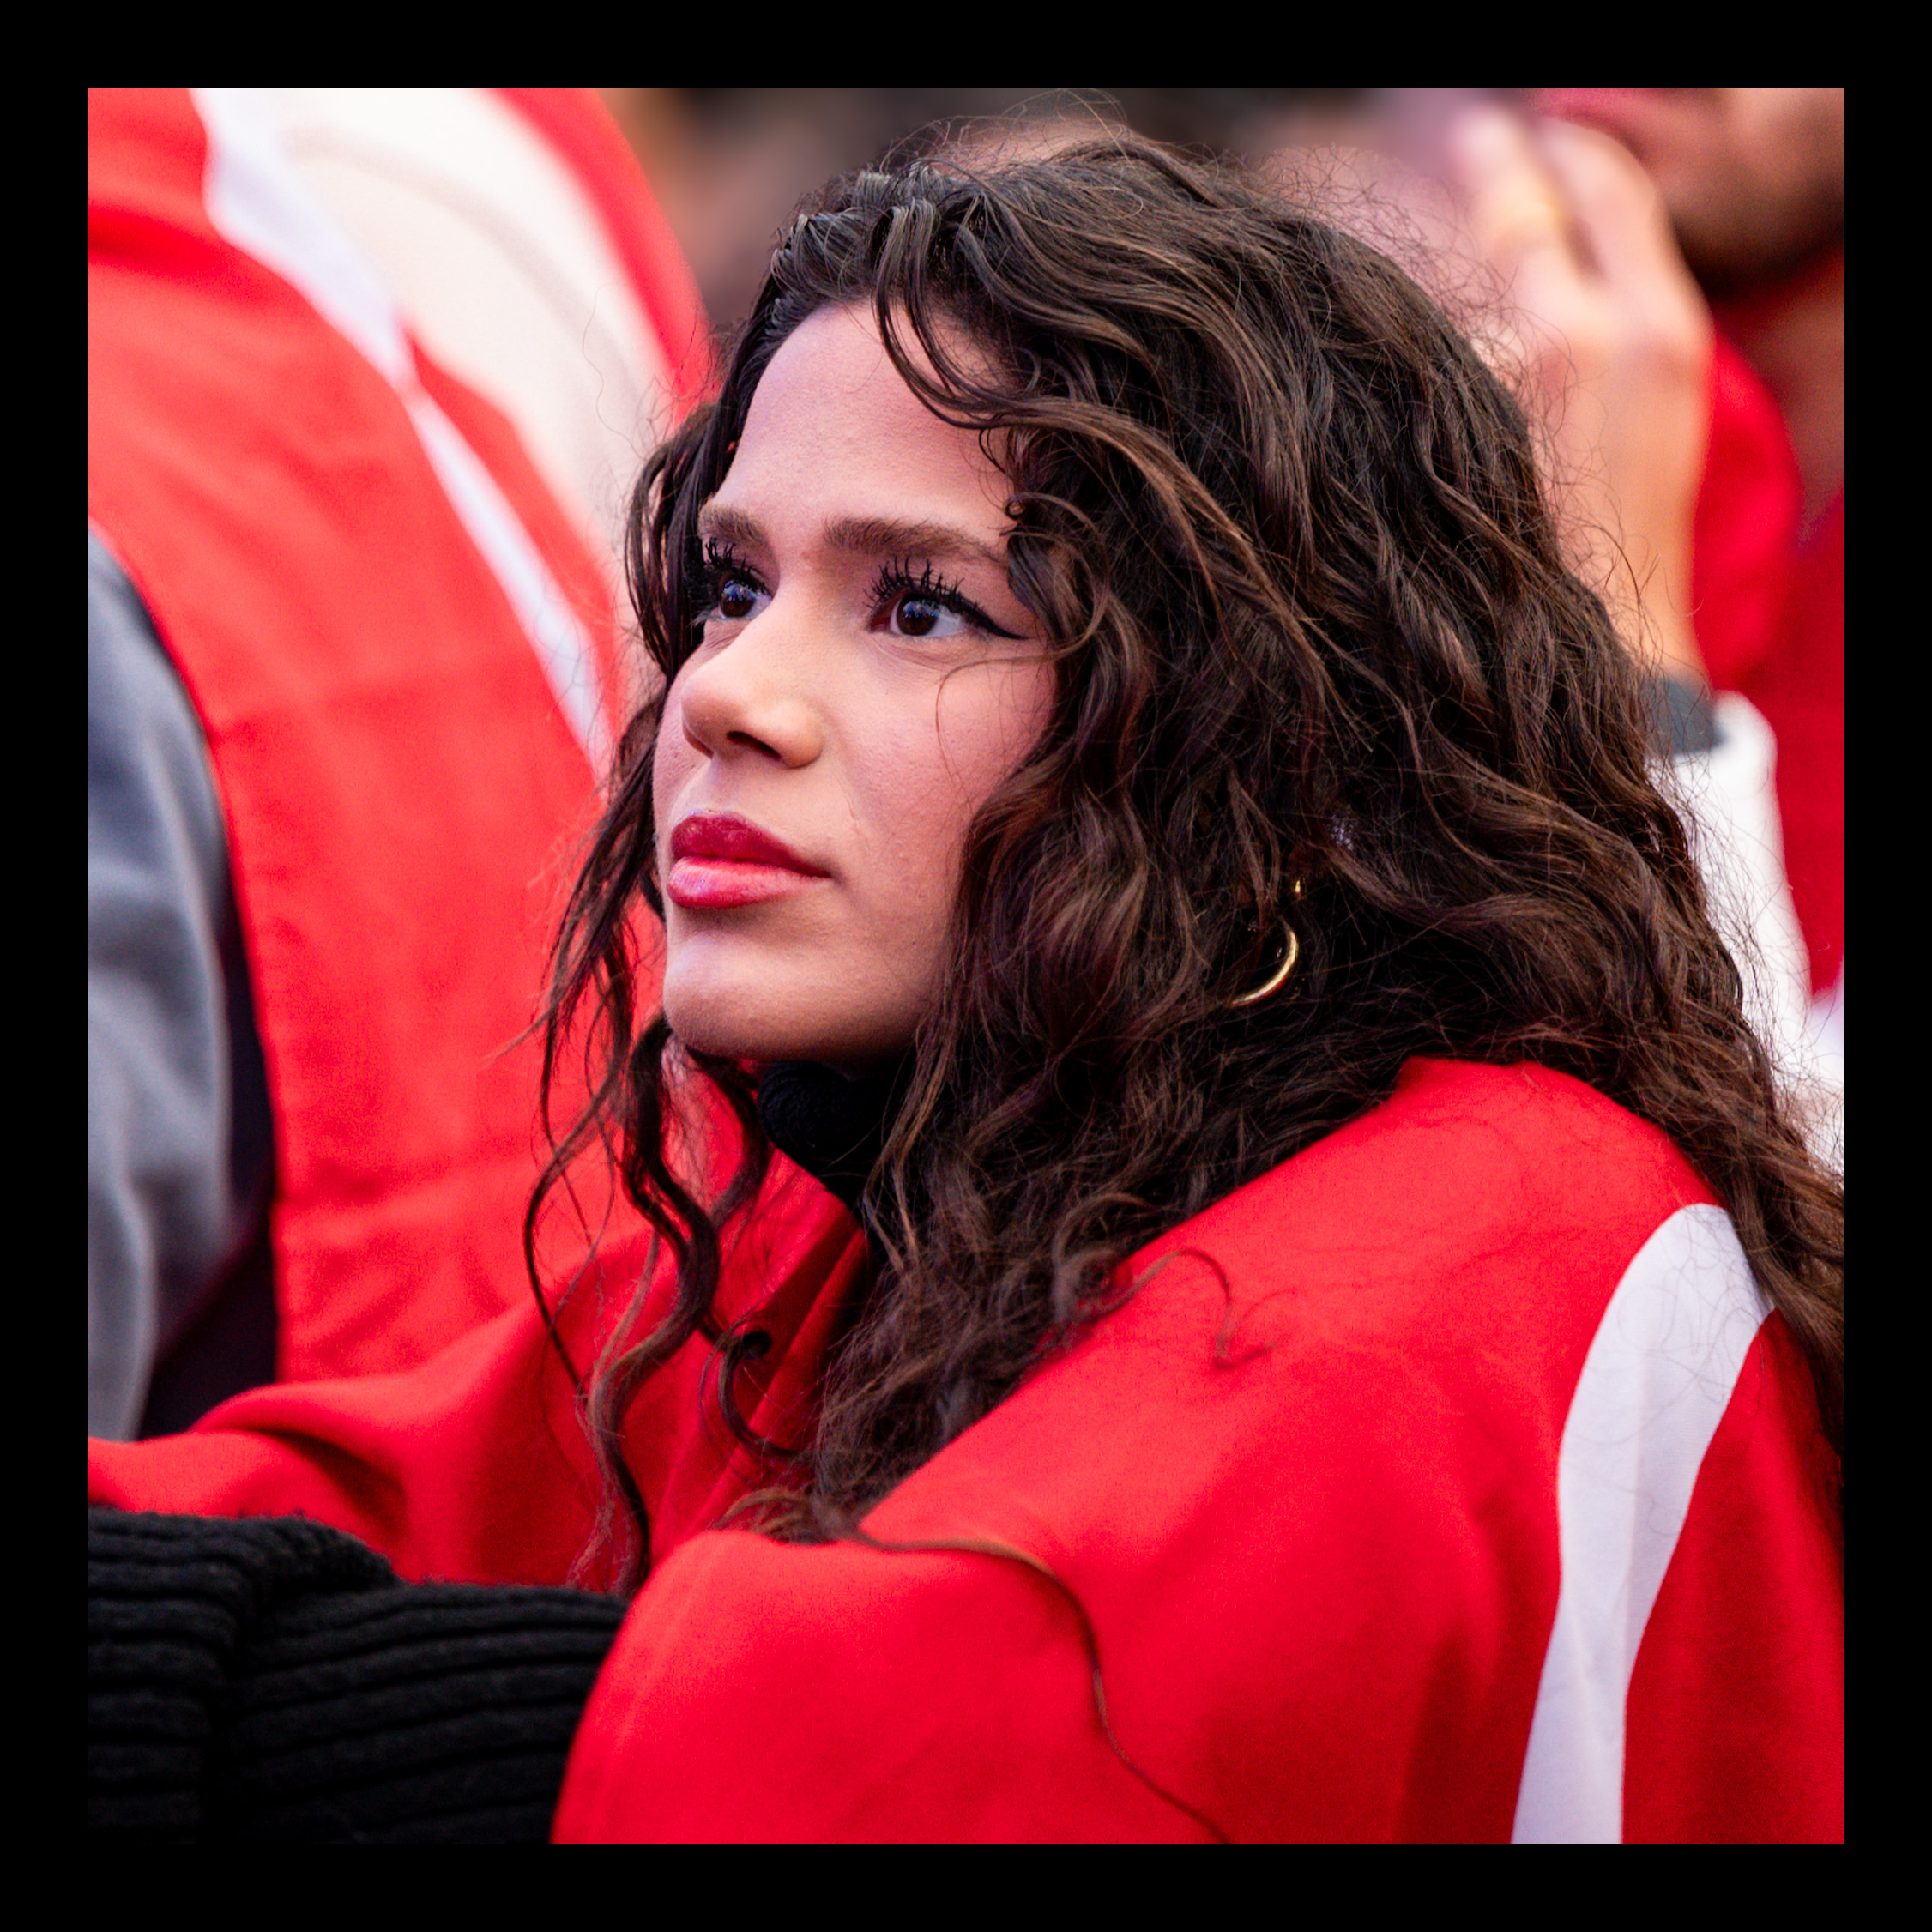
x,y
719,561
715,565
895,579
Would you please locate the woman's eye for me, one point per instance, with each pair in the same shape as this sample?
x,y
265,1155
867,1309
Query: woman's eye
x,y
736,599
926,617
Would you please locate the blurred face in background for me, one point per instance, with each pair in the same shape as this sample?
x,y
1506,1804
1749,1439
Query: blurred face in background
x,y
866,678
1754,177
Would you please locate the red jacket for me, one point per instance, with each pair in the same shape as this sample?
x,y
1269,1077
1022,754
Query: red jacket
x,y
1446,1482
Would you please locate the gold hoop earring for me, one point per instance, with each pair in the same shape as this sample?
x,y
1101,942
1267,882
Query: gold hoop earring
x,y
1277,979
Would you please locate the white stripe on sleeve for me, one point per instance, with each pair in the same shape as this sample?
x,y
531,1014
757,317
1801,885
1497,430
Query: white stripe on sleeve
x,y
1655,1386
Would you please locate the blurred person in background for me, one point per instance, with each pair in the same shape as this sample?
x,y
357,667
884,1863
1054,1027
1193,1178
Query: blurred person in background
x,y
362,368
1666,454
1683,491
1715,454
1753,182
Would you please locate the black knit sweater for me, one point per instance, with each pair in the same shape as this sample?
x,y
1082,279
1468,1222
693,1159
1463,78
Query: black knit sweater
x,y
267,1678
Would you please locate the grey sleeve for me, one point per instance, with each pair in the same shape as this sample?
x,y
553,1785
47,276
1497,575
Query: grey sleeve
x,y
172,1194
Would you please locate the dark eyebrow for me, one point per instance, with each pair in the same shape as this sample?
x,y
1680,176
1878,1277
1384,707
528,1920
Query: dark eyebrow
x,y
726,525
859,536
882,536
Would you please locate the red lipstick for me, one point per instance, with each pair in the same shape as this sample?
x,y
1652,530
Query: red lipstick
x,y
720,861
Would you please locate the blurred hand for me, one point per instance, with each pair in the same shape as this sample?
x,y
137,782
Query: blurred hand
x,y
1611,341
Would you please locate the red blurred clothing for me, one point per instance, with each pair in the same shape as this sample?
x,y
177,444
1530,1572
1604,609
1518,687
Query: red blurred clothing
x,y
1770,620
342,548
1800,688
1419,1493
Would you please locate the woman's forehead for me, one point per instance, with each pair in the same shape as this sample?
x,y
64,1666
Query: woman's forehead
x,y
833,430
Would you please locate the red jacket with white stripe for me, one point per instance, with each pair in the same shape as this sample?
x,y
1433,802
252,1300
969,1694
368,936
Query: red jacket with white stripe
x,y
1447,1483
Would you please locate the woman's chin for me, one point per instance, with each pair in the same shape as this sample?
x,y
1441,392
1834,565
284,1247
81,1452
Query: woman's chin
x,y
734,1018
723,1030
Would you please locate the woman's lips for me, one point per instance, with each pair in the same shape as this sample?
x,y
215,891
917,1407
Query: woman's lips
x,y
720,861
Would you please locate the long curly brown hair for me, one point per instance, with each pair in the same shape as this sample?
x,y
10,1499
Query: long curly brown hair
x,y
1310,623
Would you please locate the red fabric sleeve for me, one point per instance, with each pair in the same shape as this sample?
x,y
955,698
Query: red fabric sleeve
x,y
473,1468
1737,1712
1317,1620
778,1694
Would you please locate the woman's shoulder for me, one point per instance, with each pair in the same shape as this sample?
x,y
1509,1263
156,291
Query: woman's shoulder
x,y
1495,1139
1419,1293
1472,1187
1440,1269
1386,1351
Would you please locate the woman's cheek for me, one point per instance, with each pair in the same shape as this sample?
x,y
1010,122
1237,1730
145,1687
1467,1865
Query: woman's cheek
x,y
672,761
986,733
926,787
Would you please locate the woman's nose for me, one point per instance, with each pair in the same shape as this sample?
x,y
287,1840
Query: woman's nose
x,y
745,699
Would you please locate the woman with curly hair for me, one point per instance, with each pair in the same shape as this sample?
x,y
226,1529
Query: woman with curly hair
x,y
1219,1256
